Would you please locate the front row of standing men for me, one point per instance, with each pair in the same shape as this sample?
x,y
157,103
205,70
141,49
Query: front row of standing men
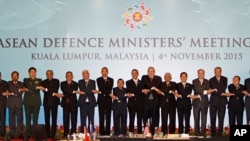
x,y
145,97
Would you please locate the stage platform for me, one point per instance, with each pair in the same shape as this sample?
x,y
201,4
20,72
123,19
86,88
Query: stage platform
x,y
173,137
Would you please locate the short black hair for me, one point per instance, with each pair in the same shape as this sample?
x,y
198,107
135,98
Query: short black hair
x,y
14,72
120,79
183,73
32,68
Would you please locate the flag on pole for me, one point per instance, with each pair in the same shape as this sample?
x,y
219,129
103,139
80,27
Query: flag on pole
x,y
86,134
91,130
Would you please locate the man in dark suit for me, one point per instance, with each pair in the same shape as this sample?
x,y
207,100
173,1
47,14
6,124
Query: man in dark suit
x,y
14,103
135,103
87,101
200,102
119,107
3,100
104,101
69,103
247,99
218,100
32,98
51,101
168,104
184,91
151,85
236,102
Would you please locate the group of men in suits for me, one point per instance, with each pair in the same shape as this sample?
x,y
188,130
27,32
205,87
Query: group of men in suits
x,y
142,97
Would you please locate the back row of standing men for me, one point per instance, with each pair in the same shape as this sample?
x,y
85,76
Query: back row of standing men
x,y
145,97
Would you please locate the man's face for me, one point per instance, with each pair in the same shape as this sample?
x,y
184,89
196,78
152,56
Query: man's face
x,y
201,74
134,74
168,77
151,72
69,76
120,84
14,77
85,75
32,73
217,72
183,78
236,81
104,72
49,75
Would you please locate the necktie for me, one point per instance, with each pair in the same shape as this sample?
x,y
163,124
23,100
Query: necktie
x,y
201,82
151,79
136,82
69,82
86,83
184,85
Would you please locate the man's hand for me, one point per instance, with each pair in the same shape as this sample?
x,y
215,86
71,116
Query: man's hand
x,y
41,88
227,94
194,97
113,96
7,93
22,90
212,90
78,92
178,95
145,91
59,95
246,93
95,91
129,95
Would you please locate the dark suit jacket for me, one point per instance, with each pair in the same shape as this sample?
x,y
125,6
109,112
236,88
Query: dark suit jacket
x,y
168,99
247,87
184,92
68,93
3,88
106,88
16,99
147,84
32,97
199,90
88,92
121,103
236,102
52,87
138,97
216,98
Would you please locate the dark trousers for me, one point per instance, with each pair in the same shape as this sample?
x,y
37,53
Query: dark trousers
x,y
184,116
31,113
2,120
120,120
104,119
214,111
16,118
50,112
200,119
87,111
247,106
168,113
235,116
138,112
150,110
69,115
